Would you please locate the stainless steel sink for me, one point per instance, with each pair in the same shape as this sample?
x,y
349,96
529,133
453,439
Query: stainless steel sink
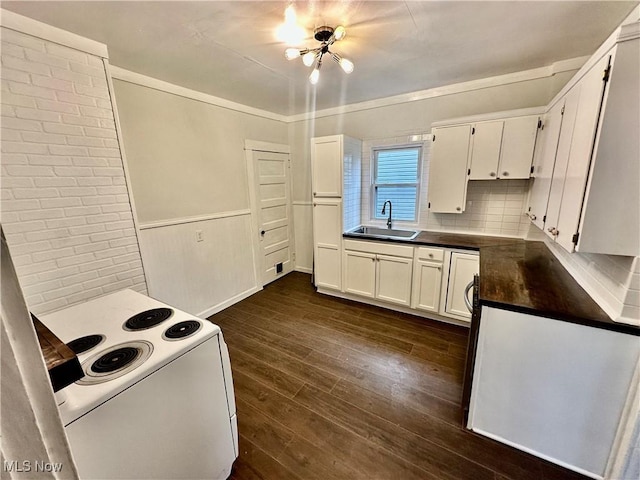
x,y
385,233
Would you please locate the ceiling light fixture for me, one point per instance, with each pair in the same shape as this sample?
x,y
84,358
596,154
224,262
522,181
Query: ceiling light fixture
x,y
313,56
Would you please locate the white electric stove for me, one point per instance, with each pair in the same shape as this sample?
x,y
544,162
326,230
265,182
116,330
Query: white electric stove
x,y
156,401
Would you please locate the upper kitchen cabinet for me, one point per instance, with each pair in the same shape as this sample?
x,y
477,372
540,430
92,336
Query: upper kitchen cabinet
x,y
485,150
595,189
448,169
329,155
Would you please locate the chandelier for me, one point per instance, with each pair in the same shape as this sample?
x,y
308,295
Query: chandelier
x,y
327,36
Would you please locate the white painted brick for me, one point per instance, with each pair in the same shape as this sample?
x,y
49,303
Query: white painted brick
x,y
66,52
12,50
113,190
16,182
91,247
89,162
93,111
87,142
17,205
74,172
120,225
41,214
119,207
63,202
56,106
100,237
104,152
57,273
42,287
95,265
53,160
14,159
129,273
62,129
111,143
67,150
98,200
33,114
123,242
77,99
21,193
40,57
26,280
15,75
31,91
81,211
52,254
77,191
36,267
18,100
30,247
97,92
39,137
7,111
93,181
70,242
100,282
47,307
122,198
24,40
101,103
84,295
108,172
78,120
20,124
97,72
126,258
20,260
52,83
114,269
62,292
20,147
11,135
76,260
79,278
107,123
126,215
100,132
87,229
25,65
65,222
114,287
115,162
6,194
49,234
76,78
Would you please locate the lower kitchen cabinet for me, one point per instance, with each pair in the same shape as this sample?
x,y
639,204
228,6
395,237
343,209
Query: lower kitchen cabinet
x,y
393,279
360,273
463,267
427,279
327,239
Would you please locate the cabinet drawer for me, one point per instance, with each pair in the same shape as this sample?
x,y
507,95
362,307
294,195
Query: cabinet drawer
x,y
430,254
379,247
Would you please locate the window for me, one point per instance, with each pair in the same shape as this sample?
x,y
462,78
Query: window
x,y
396,177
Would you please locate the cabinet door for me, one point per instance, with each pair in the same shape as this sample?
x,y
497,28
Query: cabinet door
x,y
427,278
327,238
543,164
360,273
562,159
326,165
518,142
448,169
584,132
485,150
393,279
463,267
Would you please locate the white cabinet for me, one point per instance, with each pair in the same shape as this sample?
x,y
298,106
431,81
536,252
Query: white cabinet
x,y
462,268
326,164
448,169
427,279
378,270
503,148
543,163
327,239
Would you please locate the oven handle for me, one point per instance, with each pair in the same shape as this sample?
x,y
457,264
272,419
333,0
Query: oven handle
x,y
466,297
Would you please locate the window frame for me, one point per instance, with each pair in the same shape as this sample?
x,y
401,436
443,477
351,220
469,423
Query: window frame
x,y
373,192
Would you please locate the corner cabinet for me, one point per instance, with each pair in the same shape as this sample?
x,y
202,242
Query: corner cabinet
x,y
462,268
335,159
594,193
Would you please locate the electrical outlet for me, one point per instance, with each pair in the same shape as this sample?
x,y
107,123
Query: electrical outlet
x,y
199,236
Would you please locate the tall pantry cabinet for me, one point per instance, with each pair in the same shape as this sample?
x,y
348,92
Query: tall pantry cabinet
x,y
335,180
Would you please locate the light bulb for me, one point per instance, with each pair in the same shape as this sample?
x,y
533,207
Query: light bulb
x,y
347,65
290,15
339,32
315,76
291,53
308,58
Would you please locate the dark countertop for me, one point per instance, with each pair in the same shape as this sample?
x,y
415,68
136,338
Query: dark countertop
x,y
522,276
62,363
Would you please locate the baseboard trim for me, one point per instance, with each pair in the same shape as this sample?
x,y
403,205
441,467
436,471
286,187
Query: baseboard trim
x,y
298,268
227,303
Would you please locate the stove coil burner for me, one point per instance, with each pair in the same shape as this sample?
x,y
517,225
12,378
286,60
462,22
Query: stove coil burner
x,y
182,330
114,362
147,319
84,344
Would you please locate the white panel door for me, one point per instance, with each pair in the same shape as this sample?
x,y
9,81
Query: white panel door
x,y
272,175
543,164
326,165
518,142
427,278
584,132
360,273
393,279
327,239
463,268
485,150
562,160
448,169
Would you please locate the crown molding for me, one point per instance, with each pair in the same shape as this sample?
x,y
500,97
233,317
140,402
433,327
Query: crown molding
x,y
20,23
156,84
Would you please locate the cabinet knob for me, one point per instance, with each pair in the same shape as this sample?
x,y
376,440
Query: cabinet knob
x,y
505,174
492,174
458,209
439,268
262,232
314,194
532,217
315,204
553,231
431,255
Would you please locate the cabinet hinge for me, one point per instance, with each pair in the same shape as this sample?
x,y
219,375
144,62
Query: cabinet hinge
x,y
473,130
429,206
575,238
434,138
607,71
539,123
532,168
468,171
529,209
544,219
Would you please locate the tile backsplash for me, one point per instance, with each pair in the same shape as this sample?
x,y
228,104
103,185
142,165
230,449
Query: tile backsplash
x,y
494,207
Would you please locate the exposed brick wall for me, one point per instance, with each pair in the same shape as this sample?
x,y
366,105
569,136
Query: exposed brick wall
x,y
65,205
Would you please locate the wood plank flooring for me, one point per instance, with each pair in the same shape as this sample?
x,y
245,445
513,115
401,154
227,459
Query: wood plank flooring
x,y
332,389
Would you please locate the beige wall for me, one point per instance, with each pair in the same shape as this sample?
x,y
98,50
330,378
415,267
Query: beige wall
x,y
186,158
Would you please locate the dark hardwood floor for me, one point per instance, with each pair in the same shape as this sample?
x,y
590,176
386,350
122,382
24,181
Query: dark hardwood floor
x,y
332,389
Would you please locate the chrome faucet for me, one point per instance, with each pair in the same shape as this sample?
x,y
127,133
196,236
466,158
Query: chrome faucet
x,y
383,210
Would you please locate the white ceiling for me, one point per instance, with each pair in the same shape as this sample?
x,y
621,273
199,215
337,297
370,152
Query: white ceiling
x,y
228,48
